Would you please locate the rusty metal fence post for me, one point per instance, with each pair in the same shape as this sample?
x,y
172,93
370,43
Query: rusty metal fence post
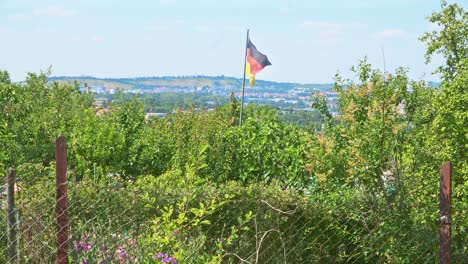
x,y
61,205
11,210
445,256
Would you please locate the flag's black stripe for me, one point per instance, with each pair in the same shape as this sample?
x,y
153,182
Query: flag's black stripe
x,y
257,55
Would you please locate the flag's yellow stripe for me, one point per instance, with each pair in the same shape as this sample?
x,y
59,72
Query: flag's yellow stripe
x,y
251,76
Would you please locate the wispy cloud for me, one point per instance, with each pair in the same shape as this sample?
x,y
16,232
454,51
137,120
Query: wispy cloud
x,y
217,29
389,34
20,17
165,25
4,30
98,38
53,11
180,22
73,38
334,27
231,29
284,10
157,28
331,33
44,30
204,29
167,2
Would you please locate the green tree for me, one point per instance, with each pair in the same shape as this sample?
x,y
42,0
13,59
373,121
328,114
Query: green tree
x,y
444,130
4,77
451,40
367,136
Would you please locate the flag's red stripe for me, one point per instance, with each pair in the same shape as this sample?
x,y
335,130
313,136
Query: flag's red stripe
x,y
255,66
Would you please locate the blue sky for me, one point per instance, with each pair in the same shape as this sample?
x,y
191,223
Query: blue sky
x,y
307,41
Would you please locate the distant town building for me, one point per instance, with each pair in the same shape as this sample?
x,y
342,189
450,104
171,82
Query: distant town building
x,y
101,102
154,115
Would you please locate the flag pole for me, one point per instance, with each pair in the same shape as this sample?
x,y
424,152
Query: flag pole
x,y
243,81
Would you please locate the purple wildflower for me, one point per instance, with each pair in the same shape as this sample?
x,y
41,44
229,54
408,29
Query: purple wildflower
x,y
171,260
165,258
85,246
122,254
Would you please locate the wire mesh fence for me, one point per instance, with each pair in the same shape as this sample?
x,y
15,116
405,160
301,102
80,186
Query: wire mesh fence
x,y
180,218
123,222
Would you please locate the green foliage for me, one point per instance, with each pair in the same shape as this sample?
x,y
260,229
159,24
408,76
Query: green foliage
x,y
33,114
4,77
445,132
269,151
303,118
388,142
451,41
321,105
181,229
364,141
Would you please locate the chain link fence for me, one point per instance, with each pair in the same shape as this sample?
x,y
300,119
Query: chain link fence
x,y
120,222
180,218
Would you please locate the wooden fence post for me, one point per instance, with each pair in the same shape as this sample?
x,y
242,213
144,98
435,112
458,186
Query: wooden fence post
x,y
61,206
11,210
445,256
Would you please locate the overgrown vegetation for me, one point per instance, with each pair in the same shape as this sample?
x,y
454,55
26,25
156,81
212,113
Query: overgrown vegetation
x,y
196,188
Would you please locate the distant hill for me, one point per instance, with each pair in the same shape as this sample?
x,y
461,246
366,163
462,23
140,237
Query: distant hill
x,y
209,84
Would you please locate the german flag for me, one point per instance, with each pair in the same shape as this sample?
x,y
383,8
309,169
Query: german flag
x,y
255,62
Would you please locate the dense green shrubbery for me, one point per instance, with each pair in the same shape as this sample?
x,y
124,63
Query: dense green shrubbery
x,y
199,188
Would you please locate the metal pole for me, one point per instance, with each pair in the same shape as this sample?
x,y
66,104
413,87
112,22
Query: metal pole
x,y
61,206
243,81
445,213
11,226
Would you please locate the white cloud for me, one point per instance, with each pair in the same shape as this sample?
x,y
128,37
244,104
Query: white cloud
x,y
331,33
53,12
388,34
